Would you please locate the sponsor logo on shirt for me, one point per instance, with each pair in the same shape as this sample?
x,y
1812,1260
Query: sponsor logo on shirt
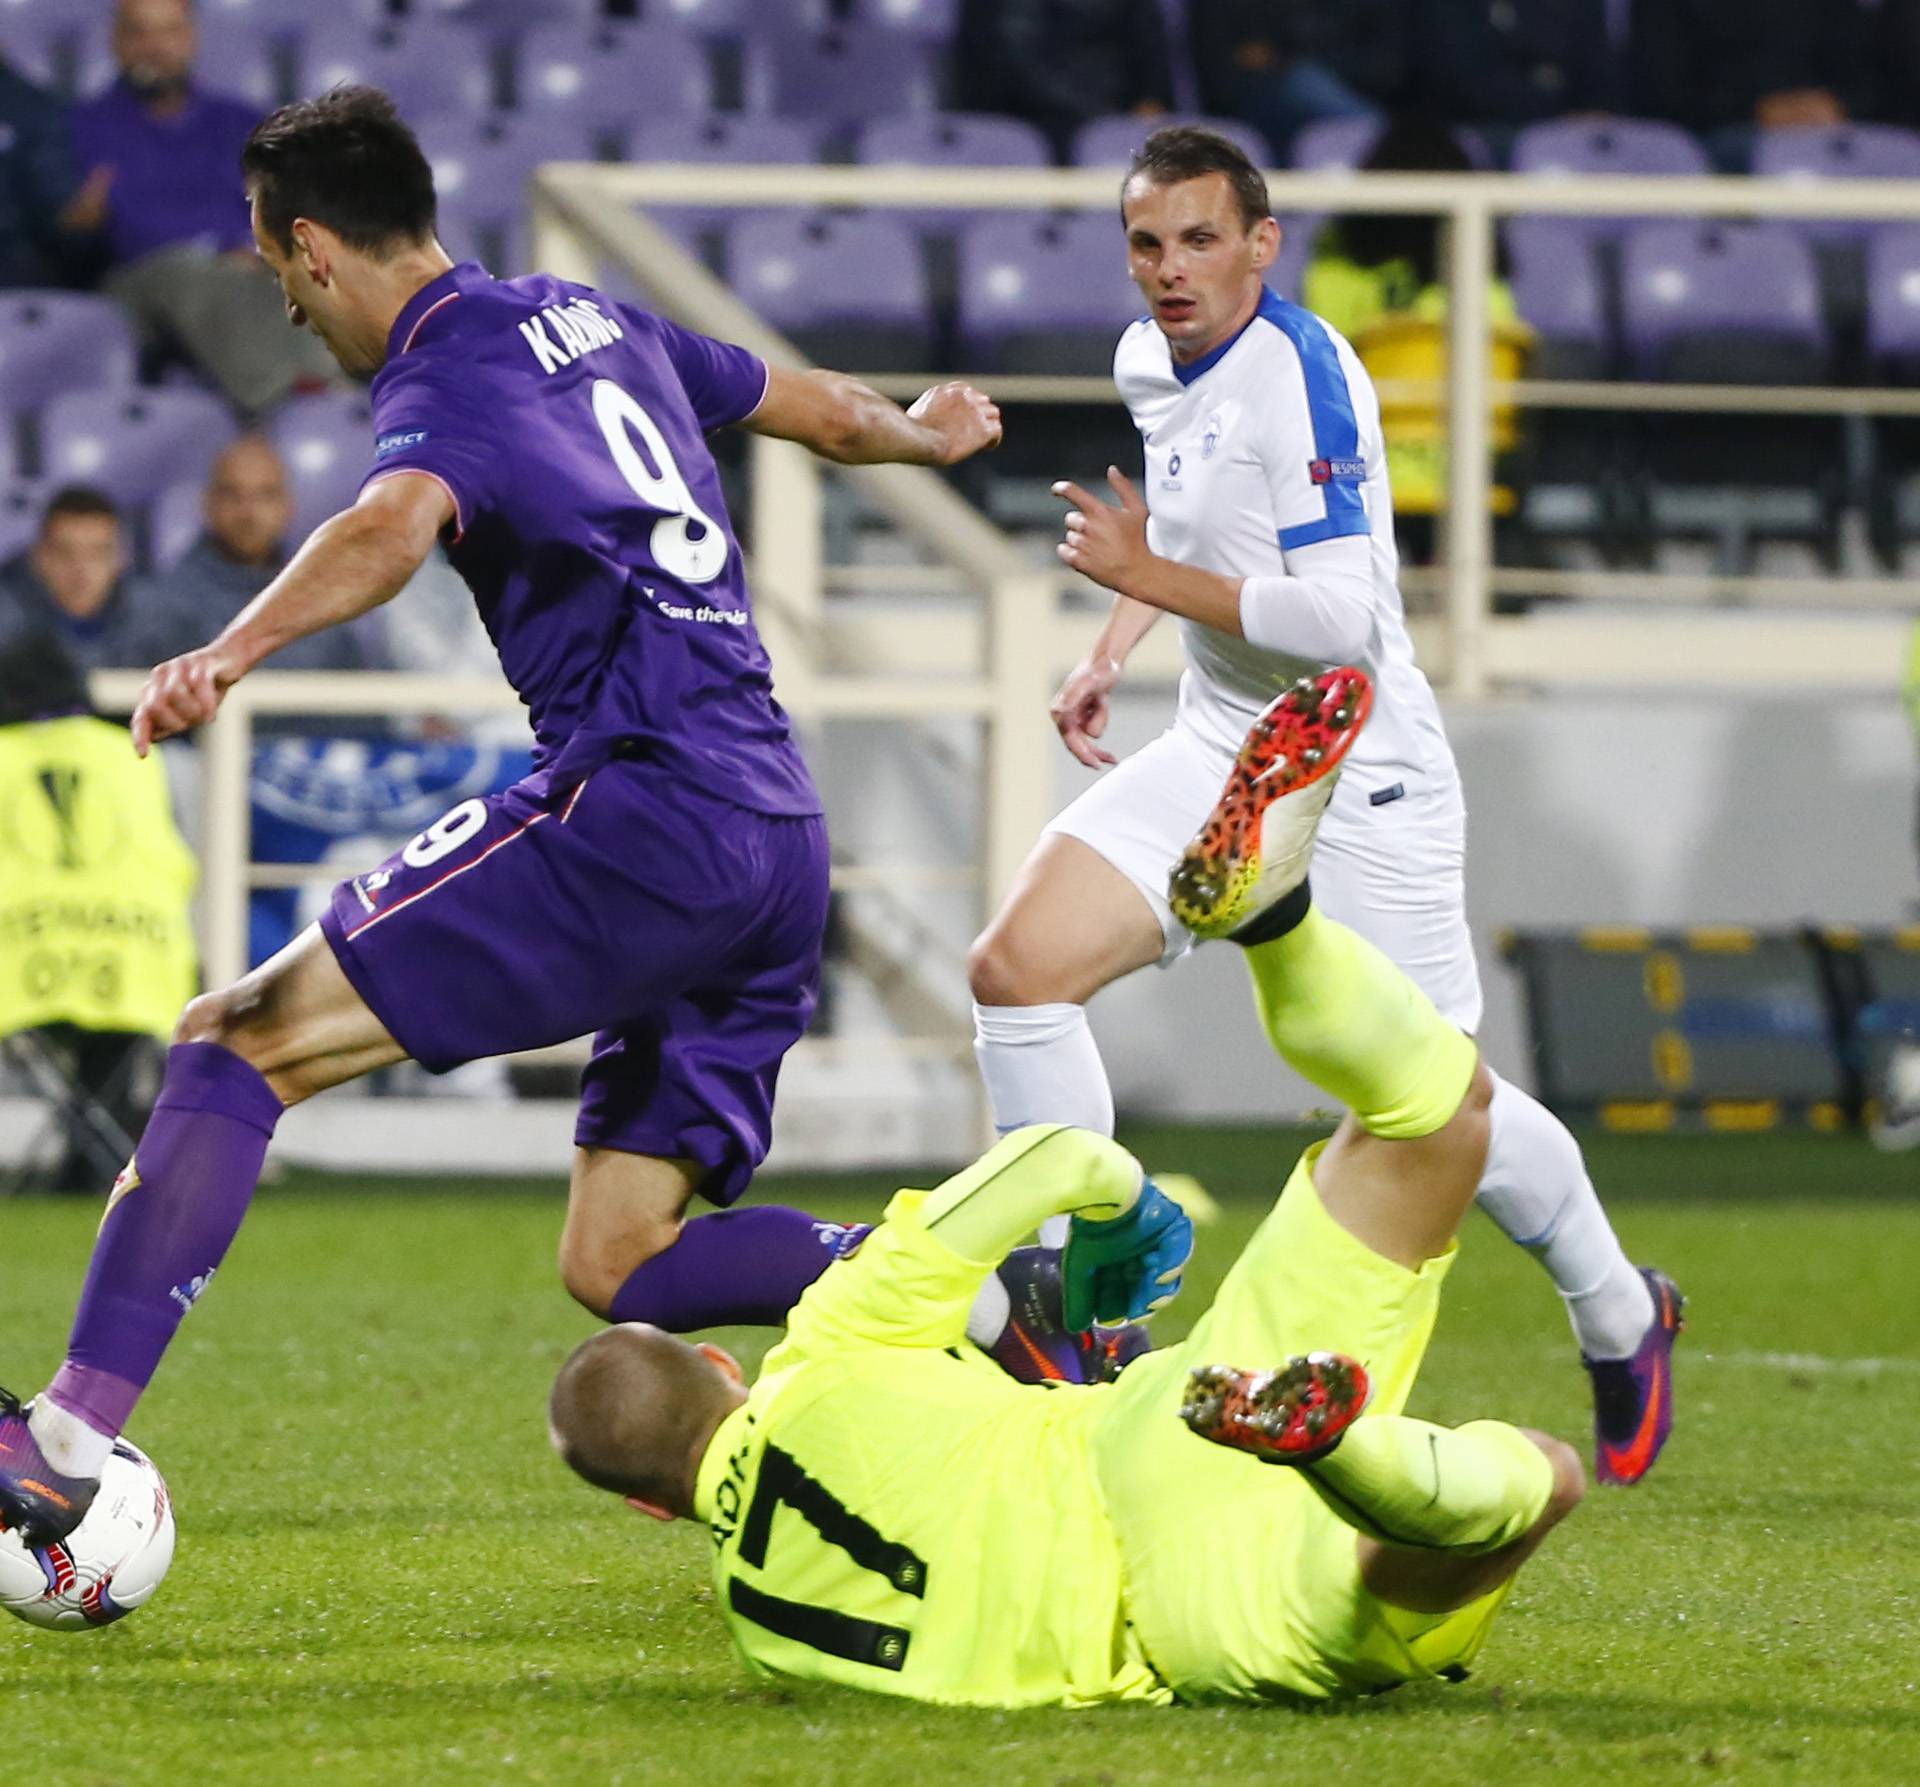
x,y
398,442
560,333
705,614
1326,471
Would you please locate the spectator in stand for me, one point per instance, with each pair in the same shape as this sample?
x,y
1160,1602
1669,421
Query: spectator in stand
x,y
1284,64
1726,68
1498,65
38,181
163,187
72,583
242,549
1060,63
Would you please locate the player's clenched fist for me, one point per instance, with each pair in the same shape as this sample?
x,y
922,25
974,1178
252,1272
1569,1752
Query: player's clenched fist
x,y
1104,543
1081,709
181,694
967,420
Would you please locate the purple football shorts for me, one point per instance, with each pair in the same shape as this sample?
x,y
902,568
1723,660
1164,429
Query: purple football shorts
x,y
684,933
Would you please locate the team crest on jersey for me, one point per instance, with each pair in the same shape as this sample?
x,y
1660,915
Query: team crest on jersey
x,y
1345,471
1211,438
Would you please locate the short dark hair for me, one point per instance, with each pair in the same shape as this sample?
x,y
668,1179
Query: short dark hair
x,y
77,499
347,160
1187,152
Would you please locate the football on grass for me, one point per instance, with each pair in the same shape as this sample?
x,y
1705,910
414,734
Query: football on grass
x,y
108,1565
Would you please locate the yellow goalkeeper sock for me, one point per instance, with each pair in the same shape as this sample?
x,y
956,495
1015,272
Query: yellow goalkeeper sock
x,y
1467,1489
1344,1016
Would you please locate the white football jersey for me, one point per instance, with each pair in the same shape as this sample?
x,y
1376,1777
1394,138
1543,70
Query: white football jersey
x,y
1268,444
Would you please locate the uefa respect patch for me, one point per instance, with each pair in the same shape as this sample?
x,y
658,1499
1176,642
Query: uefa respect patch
x,y
1346,471
398,442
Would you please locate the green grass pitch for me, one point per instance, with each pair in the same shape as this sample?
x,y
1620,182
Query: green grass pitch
x,y
385,1577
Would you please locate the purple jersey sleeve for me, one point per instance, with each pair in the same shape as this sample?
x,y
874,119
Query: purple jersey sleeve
x,y
724,383
422,424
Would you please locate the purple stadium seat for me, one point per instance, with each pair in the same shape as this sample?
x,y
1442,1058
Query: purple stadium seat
x,y
1044,294
953,139
1111,142
502,16
175,519
1733,302
721,137
1556,288
704,18
933,20
281,18
425,68
42,38
480,171
950,139
612,77
55,342
1893,297
1340,145
22,502
1839,152
133,443
1571,147
327,443
846,73
848,289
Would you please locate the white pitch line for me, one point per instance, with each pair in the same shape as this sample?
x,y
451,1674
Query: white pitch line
x,y
1802,1362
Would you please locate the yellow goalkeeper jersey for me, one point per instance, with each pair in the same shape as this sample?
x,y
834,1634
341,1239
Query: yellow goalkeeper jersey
x,y
892,1512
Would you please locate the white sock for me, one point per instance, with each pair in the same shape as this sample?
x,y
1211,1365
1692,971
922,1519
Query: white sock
x,y
987,1319
68,1444
1536,1188
1041,1065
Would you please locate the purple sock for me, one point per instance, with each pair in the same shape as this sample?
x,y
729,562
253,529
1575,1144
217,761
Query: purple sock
x,y
736,1267
168,1225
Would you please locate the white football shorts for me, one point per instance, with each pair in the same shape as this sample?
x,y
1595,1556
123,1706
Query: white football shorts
x,y
1392,869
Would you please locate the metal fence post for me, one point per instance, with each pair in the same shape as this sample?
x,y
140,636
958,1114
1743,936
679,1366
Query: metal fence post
x,y
227,754
1469,520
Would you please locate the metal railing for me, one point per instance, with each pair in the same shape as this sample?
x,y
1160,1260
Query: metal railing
x,y
585,217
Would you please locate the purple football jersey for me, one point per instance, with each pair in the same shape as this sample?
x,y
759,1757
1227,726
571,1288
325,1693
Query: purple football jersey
x,y
570,432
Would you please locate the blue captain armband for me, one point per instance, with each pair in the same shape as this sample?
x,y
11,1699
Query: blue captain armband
x,y
1125,1268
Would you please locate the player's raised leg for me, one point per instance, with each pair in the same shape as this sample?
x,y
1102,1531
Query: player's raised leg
x,y
291,1028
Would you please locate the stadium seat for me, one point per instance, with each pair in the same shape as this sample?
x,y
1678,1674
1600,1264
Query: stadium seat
x,y
54,342
933,20
281,18
327,443
42,38
1839,152
132,444
175,520
1571,147
1340,145
722,137
503,16
1044,294
1727,302
1112,142
847,289
481,167
424,68
847,74
950,139
1732,304
22,502
1557,290
611,76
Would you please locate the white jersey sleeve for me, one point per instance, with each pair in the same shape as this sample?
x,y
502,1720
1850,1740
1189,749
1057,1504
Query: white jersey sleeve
x,y
1310,438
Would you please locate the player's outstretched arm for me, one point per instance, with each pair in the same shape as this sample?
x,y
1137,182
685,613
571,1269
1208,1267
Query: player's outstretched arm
x,y
843,420
352,563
